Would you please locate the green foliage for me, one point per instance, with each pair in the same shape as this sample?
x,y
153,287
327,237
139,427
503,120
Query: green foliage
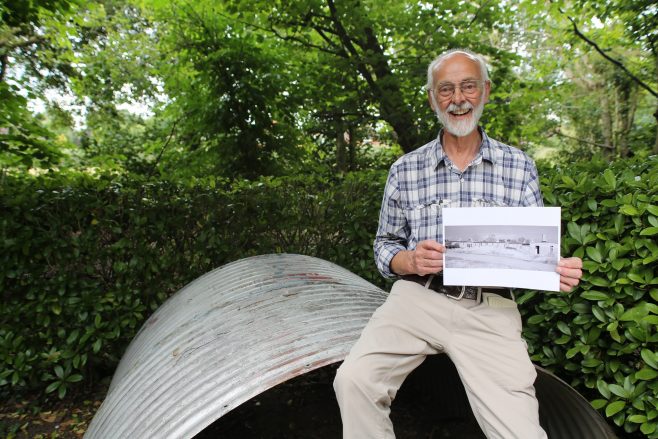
x,y
244,88
85,259
23,141
237,96
603,338
26,53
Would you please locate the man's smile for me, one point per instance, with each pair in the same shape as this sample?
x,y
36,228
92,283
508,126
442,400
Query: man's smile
x,y
461,112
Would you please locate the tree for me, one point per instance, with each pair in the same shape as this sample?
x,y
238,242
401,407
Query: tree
x,y
638,21
26,54
583,103
244,88
234,93
388,44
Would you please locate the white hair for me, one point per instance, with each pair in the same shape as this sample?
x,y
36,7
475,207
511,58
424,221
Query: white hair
x,y
434,65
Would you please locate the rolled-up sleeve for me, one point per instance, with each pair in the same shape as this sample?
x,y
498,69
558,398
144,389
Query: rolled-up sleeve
x,y
393,231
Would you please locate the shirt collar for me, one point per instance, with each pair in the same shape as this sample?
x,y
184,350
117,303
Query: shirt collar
x,y
486,150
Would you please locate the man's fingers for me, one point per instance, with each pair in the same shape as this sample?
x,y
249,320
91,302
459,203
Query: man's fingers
x,y
431,245
430,250
428,257
572,262
570,273
574,273
568,283
429,266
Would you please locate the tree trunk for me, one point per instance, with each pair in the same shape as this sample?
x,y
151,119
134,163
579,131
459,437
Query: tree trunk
x,y
382,82
606,123
352,148
393,106
626,96
655,144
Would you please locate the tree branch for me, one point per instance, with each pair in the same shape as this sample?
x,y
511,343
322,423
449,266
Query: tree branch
x,y
475,17
342,34
162,150
321,31
16,38
606,56
305,43
559,133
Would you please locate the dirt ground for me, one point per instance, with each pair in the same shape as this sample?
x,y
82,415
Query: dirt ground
x,y
52,418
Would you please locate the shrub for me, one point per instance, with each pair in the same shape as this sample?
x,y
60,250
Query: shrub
x,y
85,260
603,338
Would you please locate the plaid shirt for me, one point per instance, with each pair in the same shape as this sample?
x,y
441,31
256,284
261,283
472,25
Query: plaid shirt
x,y
424,181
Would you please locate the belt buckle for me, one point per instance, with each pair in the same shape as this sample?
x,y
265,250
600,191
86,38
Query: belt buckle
x,y
478,298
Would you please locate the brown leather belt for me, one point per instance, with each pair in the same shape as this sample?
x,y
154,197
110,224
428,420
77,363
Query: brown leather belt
x,y
457,292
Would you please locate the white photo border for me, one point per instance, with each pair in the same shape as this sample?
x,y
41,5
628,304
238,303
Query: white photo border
x,y
502,216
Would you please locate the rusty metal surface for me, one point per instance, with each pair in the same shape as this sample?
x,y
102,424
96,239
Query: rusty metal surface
x,y
227,337
243,328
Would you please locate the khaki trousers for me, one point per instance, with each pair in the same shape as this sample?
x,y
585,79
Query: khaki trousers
x,y
482,339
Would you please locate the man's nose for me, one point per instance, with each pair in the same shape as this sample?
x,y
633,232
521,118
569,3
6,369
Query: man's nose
x,y
457,95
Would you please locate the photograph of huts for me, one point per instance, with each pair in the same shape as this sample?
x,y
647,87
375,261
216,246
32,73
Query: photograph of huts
x,y
495,246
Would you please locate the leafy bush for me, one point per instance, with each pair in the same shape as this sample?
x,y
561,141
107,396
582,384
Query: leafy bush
x,y
603,338
85,260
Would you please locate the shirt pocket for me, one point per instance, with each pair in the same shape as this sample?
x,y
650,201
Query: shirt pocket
x,y
489,202
424,222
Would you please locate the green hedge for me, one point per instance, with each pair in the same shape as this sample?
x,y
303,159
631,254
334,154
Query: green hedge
x,y
85,260
602,338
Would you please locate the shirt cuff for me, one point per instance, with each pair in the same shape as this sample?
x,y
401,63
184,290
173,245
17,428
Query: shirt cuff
x,y
384,258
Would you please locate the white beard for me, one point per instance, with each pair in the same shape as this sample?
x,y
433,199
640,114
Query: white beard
x,y
460,128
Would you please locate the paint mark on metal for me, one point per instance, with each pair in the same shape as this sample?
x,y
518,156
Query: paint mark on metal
x,y
228,336
248,326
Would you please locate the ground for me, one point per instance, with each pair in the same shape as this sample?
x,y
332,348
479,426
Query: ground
x,y
304,407
52,418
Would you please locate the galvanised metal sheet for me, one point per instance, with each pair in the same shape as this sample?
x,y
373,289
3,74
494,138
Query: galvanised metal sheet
x,y
247,326
227,337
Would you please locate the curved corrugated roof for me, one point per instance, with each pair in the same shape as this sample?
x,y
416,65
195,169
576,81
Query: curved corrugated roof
x,y
228,336
247,326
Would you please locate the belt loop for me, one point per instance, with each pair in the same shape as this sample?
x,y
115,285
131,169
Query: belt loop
x,y
430,278
461,295
478,299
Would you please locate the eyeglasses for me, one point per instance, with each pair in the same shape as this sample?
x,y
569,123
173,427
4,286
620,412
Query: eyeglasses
x,y
470,88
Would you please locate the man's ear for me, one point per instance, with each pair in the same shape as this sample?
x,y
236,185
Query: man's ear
x,y
487,91
431,100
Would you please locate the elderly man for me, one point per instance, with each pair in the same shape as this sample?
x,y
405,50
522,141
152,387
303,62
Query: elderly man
x,y
479,328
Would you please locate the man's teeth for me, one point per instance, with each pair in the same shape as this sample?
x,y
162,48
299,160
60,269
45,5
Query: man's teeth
x,y
460,112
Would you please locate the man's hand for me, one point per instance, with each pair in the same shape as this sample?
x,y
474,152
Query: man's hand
x,y
570,273
426,258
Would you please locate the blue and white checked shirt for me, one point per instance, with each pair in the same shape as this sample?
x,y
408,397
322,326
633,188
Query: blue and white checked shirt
x,y
424,181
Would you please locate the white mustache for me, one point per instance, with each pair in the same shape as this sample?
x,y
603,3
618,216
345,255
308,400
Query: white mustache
x,y
463,107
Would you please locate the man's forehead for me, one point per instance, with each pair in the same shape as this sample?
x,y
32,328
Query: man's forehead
x,y
458,64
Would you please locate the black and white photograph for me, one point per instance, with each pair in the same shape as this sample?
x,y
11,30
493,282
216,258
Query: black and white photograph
x,y
510,247
502,246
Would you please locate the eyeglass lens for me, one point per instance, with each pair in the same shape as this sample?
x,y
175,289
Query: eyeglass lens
x,y
468,88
